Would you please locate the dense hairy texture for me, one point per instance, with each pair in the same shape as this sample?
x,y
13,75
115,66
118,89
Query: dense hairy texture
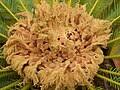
x,y
59,48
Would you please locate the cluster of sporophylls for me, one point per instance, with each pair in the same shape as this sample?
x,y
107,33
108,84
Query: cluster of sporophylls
x,y
57,48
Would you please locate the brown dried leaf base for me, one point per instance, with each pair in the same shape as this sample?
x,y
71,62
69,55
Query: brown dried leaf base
x,y
117,63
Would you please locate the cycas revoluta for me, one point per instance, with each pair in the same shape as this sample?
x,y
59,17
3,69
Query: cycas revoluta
x,y
58,45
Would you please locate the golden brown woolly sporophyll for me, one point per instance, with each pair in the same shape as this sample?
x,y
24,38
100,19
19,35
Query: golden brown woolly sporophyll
x,y
57,48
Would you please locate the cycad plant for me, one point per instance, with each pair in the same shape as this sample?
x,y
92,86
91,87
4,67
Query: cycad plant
x,y
59,44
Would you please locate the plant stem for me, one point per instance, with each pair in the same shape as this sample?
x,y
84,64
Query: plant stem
x,y
7,74
4,70
90,87
113,56
27,86
111,41
53,1
37,1
69,2
110,72
115,19
23,5
2,57
93,7
107,79
2,35
11,85
8,10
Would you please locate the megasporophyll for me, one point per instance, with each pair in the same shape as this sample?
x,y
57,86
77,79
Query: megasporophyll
x,y
59,47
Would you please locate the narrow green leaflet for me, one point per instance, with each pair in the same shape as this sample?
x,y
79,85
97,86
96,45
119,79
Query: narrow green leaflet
x,y
6,19
29,4
98,6
115,46
101,6
113,13
115,78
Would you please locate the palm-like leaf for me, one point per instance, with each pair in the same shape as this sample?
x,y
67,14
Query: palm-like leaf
x,y
113,12
115,77
115,47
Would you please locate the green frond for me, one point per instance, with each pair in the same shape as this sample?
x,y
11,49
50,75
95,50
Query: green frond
x,y
28,4
2,35
108,71
27,86
2,62
115,78
73,2
90,87
37,1
4,70
99,88
8,10
107,79
105,9
114,43
15,7
100,8
113,13
5,17
1,50
69,2
115,19
89,3
112,56
93,7
23,5
3,31
96,7
111,41
8,82
2,57
7,77
7,74
11,85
